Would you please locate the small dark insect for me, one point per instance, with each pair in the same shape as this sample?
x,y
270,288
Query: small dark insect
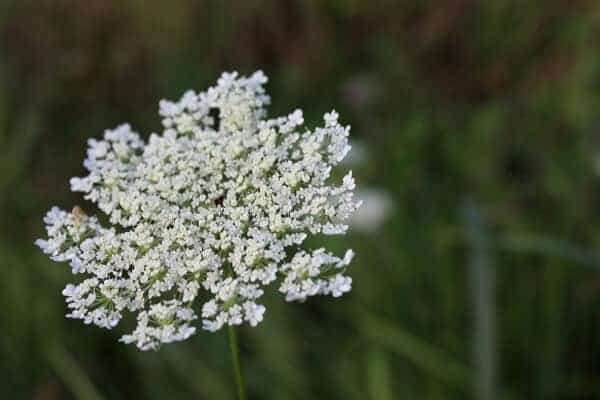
x,y
216,116
219,201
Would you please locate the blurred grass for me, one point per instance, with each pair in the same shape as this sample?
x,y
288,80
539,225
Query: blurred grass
x,y
493,101
379,375
433,361
72,374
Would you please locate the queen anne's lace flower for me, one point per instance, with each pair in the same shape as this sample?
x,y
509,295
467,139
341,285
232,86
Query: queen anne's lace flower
x,y
204,216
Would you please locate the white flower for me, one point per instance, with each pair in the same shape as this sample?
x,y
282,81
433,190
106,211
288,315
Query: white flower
x,y
216,208
254,312
339,285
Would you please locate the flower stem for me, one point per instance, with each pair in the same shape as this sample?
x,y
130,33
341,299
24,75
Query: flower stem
x,y
235,356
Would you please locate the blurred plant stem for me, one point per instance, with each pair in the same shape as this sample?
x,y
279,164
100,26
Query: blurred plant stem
x,y
235,357
482,295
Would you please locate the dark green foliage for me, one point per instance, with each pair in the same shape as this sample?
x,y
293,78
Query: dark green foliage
x,y
491,107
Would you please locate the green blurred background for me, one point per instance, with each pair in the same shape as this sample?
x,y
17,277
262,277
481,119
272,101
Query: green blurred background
x,y
476,125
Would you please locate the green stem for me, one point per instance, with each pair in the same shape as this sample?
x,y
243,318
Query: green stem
x,y
235,356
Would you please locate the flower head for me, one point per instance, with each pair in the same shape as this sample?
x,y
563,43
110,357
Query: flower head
x,y
204,216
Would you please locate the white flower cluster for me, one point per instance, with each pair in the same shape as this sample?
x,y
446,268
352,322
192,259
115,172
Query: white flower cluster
x,y
202,217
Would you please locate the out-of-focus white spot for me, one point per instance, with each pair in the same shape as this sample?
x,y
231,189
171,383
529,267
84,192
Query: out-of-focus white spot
x,y
375,209
358,156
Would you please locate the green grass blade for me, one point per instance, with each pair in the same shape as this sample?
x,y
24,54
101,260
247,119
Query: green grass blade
x,y
427,357
72,375
378,375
